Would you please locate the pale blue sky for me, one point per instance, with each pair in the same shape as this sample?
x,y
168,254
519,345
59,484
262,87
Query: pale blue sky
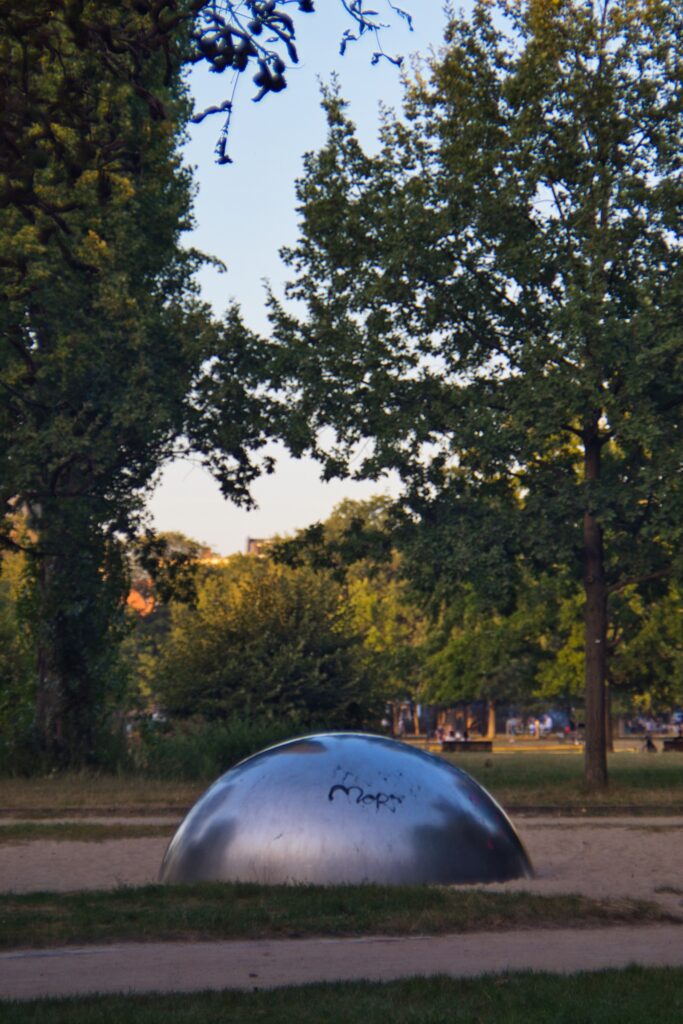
x,y
245,212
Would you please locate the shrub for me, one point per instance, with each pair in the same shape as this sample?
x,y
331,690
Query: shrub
x,y
195,749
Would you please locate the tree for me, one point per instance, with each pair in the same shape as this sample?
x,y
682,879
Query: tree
x,y
648,665
109,364
493,305
480,654
266,640
355,544
645,644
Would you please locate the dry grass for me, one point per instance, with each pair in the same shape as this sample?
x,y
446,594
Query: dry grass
x,y
81,793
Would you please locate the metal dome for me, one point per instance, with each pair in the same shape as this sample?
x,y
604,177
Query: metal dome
x,y
345,808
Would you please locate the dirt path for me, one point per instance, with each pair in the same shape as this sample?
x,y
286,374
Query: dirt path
x,y
189,967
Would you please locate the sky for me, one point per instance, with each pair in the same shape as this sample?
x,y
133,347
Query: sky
x,y
245,212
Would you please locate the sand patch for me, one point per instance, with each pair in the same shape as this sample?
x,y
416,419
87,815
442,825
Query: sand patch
x,y
636,858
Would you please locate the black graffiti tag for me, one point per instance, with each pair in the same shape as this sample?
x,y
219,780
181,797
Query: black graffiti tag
x,y
358,794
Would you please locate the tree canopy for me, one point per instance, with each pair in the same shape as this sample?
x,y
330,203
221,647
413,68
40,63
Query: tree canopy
x,y
492,304
266,639
109,363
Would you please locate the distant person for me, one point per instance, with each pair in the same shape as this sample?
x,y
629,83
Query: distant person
x,y
649,745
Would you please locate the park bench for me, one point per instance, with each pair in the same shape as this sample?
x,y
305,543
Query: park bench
x,y
673,743
463,746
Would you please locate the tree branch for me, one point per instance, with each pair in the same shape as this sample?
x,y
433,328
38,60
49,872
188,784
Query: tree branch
x,y
636,581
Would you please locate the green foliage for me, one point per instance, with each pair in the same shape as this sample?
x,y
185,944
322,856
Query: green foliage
x,y
356,544
606,997
534,652
562,674
470,325
477,653
393,628
196,749
647,665
17,680
645,645
265,640
109,363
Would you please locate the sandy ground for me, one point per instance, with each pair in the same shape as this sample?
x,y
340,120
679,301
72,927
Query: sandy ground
x,y
614,857
607,857
627,857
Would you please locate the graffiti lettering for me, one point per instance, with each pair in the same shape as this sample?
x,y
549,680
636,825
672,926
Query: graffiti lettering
x,y
360,797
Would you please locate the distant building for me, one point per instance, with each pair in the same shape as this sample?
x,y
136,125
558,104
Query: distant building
x,y
257,545
141,603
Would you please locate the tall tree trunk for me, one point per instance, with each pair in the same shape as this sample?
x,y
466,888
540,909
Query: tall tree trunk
x,y
595,626
74,616
609,731
491,722
49,720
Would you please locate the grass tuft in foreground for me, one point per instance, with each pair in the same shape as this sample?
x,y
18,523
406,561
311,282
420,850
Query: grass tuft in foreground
x,y
230,911
632,996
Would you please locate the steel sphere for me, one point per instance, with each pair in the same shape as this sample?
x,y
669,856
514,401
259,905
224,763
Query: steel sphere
x,y
345,808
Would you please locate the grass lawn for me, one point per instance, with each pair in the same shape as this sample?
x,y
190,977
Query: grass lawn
x,y
632,996
78,831
639,781
244,911
520,780
79,792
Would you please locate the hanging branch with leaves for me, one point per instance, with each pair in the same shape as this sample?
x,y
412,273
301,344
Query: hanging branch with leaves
x,y
229,34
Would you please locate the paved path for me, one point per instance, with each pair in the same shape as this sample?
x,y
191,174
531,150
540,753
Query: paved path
x,y
187,967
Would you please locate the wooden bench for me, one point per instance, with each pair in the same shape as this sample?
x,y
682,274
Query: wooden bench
x,y
466,746
673,743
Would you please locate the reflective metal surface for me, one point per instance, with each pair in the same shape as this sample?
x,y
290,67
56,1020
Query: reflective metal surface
x,y
342,808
